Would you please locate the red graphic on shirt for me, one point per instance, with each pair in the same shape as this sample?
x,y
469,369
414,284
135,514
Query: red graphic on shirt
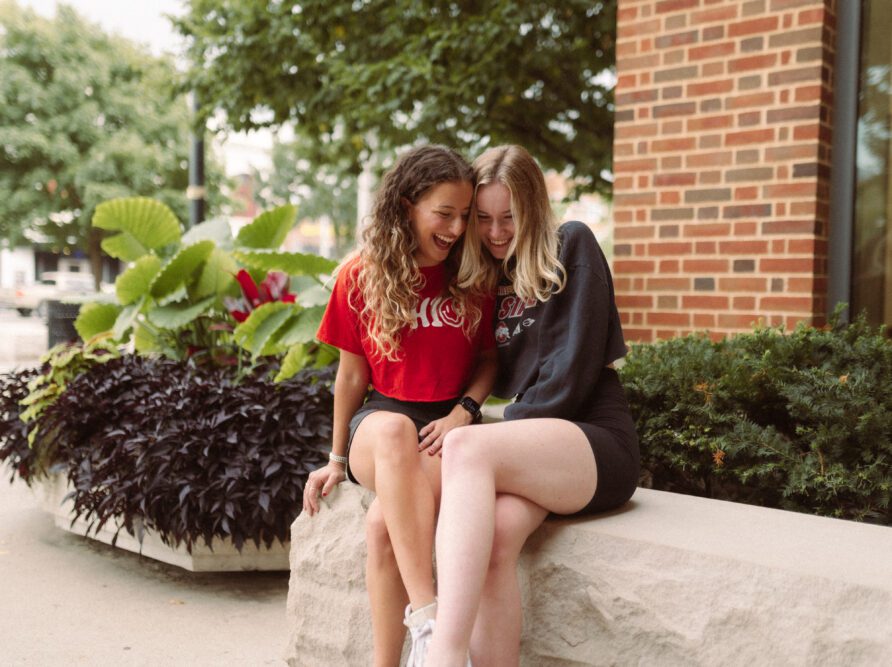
x,y
513,306
502,334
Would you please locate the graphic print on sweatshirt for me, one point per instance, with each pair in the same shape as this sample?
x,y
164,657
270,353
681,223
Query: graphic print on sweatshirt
x,y
512,316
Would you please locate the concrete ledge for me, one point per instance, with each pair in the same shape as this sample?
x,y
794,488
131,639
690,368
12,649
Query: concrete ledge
x,y
668,580
224,557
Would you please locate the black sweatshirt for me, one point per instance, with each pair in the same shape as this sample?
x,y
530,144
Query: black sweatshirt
x,y
551,353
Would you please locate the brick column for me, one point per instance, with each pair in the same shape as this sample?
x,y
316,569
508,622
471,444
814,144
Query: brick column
x,y
721,160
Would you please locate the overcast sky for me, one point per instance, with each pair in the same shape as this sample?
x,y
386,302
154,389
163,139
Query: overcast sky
x,y
139,20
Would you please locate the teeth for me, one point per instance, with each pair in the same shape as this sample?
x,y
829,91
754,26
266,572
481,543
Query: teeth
x,y
444,239
499,243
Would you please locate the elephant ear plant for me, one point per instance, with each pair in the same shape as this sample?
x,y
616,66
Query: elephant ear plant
x,y
171,300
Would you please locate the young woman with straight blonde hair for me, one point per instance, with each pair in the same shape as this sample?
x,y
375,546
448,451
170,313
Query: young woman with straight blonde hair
x,y
426,348
568,443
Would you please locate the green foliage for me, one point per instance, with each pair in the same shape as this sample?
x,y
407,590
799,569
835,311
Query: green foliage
x,y
85,117
798,420
368,77
60,365
172,300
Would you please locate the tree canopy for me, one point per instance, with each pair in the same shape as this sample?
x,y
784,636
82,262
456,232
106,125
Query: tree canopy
x,y
367,76
84,117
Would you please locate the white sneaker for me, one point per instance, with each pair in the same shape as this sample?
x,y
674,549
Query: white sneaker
x,y
421,627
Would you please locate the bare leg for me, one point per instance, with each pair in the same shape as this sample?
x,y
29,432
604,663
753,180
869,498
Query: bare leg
x,y
495,641
546,461
387,595
384,457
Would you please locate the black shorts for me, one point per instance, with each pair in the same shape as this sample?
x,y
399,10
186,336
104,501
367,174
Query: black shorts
x,y
608,425
420,412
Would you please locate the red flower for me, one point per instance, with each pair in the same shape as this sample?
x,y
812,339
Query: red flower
x,y
273,288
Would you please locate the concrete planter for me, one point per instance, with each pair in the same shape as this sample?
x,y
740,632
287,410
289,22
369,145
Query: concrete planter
x,y
224,557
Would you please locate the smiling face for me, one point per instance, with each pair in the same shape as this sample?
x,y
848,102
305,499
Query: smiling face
x,y
439,219
495,223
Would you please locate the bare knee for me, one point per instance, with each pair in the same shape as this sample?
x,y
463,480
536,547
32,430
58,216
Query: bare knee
x,y
396,441
461,450
513,525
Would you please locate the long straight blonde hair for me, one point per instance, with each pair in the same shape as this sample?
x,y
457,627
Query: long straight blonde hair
x,y
388,278
537,272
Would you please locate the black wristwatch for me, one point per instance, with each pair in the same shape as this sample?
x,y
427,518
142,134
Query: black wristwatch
x,y
471,406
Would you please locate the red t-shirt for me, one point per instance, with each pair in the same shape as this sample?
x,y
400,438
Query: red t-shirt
x,y
436,359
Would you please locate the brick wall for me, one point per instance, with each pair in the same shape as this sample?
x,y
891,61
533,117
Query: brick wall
x,y
721,161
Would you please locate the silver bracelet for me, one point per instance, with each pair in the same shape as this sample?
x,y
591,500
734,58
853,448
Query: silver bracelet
x,y
334,458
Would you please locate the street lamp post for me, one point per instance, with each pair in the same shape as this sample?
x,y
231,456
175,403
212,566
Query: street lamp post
x,y
196,193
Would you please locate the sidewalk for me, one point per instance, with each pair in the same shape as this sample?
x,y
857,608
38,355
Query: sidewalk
x,y
66,600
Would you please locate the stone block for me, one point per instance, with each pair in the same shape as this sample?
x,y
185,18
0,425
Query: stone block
x,y
666,580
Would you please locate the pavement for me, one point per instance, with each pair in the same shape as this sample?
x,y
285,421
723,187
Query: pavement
x,y
68,600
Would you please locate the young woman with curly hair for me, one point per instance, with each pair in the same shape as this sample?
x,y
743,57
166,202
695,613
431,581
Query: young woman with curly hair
x,y
427,350
567,444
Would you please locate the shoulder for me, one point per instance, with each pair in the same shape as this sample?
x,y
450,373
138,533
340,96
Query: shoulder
x,y
578,244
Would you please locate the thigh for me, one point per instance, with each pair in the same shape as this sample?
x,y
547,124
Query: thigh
x,y
389,429
547,461
515,520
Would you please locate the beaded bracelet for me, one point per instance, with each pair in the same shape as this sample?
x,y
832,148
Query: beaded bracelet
x,y
334,458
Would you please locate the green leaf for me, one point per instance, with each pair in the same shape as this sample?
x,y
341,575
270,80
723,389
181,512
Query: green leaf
x,y
180,269
310,291
136,281
269,229
295,359
95,318
292,263
126,318
178,315
216,230
145,224
303,327
255,332
144,339
124,247
218,274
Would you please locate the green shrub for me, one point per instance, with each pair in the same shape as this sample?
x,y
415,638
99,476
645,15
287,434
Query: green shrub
x,y
797,420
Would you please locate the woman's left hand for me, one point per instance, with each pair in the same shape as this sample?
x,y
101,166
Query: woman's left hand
x,y
433,434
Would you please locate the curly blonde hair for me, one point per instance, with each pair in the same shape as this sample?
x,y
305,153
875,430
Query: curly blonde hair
x,y
532,264
388,277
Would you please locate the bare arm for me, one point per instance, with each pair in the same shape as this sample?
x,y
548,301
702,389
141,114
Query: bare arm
x,y
351,385
479,387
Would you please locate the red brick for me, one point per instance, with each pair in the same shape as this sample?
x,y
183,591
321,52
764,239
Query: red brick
x,y
669,319
625,232
738,320
698,301
657,283
788,227
715,50
709,159
670,198
710,87
635,28
780,153
761,99
811,16
704,320
710,123
648,164
753,27
746,193
710,229
674,5
787,265
677,39
762,61
749,137
734,284
683,144
743,247
744,303
705,265
713,15
684,178
787,190
795,304
633,266
634,301
670,248
669,266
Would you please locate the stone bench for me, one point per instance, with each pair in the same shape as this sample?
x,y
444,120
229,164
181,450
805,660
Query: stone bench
x,y
666,580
